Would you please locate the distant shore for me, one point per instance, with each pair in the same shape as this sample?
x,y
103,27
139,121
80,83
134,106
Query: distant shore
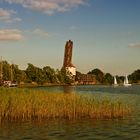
x,y
28,85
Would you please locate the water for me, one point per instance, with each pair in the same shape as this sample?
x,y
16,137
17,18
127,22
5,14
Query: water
x,y
123,129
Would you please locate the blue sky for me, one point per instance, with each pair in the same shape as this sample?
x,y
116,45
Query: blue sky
x,y
106,33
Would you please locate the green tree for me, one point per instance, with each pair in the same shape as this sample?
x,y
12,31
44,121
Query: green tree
x,y
35,74
50,74
99,75
15,73
6,70
135,76
108,78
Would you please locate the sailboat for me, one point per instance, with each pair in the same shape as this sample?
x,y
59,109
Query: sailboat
x,y
126,83
115,81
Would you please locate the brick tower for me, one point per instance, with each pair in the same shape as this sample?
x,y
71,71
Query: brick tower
x,y
67,64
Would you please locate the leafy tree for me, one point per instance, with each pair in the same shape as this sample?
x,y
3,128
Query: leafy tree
x,y
15,73
108,78
35,74
135,76
6,70
50,74
31,72
99,75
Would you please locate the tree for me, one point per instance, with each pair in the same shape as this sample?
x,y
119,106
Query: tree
x,y
15,73
108,78
35,74
50,74
135,76
6,70
99,75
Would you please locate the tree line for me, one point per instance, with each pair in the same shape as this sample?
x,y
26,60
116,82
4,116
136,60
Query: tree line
x,y
48,75
34,74
107,78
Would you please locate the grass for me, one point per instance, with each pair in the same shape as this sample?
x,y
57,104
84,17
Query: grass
x,y
28,104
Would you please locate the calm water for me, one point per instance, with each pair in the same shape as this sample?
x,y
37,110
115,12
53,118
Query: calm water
x,y
124,129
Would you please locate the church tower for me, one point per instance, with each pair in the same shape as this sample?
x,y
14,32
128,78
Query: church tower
x,y
67,64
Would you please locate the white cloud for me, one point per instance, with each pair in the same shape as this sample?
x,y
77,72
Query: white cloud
x,y
134,45
41,33
11,35
4,14
7,16
49,6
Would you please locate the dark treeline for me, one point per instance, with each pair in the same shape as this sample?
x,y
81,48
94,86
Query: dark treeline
x,y
107,78
33,74
48,75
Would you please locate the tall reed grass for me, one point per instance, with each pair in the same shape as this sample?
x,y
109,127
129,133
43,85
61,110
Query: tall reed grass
x,y
27,104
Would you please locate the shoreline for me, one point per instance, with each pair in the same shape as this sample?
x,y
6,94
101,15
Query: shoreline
x,y
29,85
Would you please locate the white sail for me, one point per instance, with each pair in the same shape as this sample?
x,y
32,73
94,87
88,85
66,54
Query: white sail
x,y
126,83
115,81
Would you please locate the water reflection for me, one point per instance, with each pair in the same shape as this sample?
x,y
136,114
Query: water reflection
x,y
72,130
68,89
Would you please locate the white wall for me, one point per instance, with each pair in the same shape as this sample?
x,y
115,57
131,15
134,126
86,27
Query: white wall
x,y
71,70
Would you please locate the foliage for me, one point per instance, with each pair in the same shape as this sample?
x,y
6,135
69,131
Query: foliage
x,y
135,76
12,73
48,75
6,70
35,74
108,78
63,77
99,75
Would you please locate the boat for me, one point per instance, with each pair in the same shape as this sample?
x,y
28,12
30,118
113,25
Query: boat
x,y
9,84
115,81
126,83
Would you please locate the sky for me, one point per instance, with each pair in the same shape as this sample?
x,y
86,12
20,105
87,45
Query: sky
x,y
105,33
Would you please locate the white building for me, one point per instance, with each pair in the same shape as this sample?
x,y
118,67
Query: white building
x,y
71,71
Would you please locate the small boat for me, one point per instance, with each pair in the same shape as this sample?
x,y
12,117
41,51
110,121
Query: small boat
x,y
126,83
9,84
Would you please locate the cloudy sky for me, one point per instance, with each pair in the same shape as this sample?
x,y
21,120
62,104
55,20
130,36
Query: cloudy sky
x,y
106,33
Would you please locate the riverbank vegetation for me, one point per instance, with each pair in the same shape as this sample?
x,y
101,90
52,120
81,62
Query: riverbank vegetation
x,y
34,75
28,104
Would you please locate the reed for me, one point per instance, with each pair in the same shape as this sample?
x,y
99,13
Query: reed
x,y
27,104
